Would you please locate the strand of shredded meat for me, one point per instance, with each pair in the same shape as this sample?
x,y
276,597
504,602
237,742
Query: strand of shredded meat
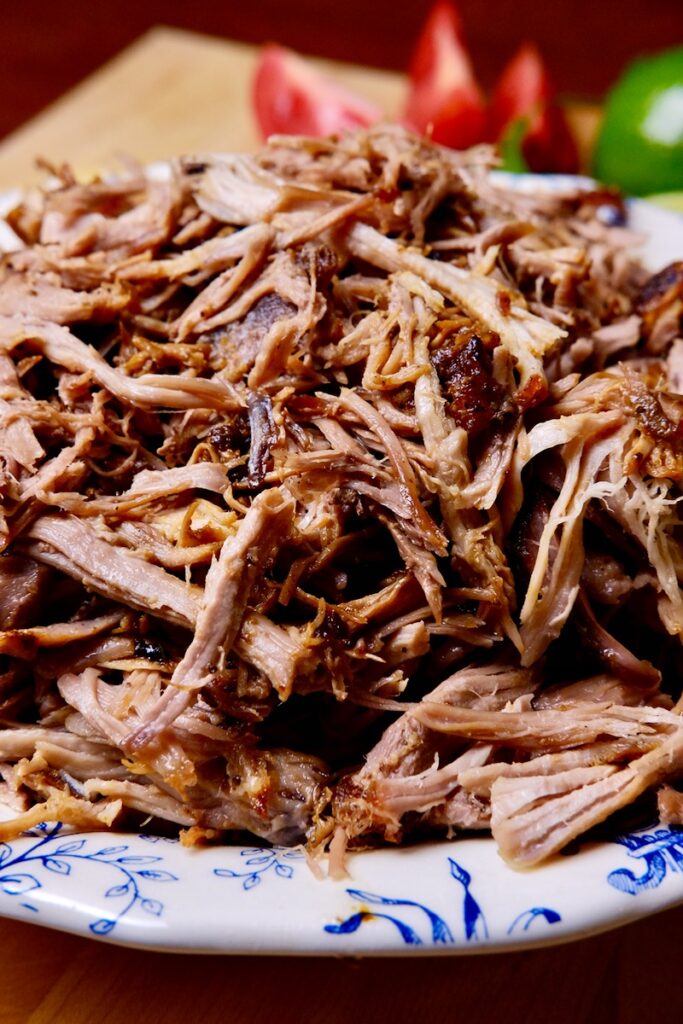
x,y
340,503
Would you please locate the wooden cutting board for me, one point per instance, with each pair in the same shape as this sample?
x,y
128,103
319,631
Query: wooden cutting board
x,y
170,92
174,92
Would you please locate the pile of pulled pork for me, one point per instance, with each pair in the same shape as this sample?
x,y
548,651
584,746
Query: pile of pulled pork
x,y
339,503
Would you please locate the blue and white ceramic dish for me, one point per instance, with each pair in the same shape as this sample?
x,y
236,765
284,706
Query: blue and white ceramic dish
x,y
445,897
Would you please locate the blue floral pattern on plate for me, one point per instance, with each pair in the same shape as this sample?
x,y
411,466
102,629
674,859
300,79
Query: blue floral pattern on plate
x,y
57,853
275,860
426,899
471,915
659,852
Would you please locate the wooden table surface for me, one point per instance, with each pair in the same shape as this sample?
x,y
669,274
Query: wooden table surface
x,y
190,93
627,976
169,92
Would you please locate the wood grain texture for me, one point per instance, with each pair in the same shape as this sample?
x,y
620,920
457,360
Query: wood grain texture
x,y
171,92
626,976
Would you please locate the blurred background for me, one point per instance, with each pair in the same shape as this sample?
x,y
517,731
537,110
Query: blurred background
x,y
48,46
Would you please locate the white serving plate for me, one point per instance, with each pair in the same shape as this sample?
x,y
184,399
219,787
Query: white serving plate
x,y
444,897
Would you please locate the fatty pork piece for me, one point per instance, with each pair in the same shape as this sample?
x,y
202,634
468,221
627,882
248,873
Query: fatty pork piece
x,y
339,438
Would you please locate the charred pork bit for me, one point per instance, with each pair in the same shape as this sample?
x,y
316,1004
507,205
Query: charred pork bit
x,y
263,436
528,337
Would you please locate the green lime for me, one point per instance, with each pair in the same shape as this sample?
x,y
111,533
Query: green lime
x,y
669,200
510,146
640,146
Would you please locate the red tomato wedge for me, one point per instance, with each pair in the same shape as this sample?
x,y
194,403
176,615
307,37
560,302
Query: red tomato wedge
x,y
549,144
523,87
525,92
290,97
444,100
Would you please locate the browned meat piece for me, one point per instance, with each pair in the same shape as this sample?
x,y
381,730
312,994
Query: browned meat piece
x,y
241,340
660,305
473,396
22,585
263,437
670,806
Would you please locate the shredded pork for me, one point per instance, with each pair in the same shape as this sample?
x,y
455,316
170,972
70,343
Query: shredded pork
x,y
340,503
